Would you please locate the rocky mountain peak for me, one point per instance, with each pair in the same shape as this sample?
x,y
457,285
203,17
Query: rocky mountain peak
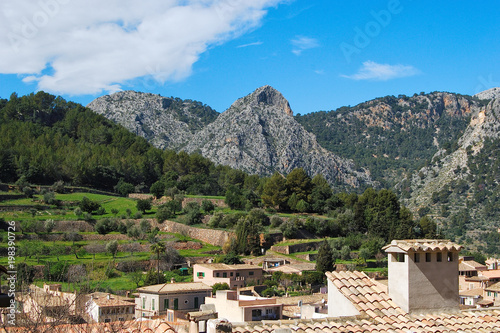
x,y
268,96
492,93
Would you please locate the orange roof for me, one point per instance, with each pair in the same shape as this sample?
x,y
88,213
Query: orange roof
x,y
467,321
133,326
422,245
363,293
491,274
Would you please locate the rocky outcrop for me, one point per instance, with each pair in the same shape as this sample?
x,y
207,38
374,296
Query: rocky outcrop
x,y
258,135
451,166
165,122
492,93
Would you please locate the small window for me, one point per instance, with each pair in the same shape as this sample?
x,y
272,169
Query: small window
x,y
144,302
217,274
428,257
201,274
416,257
439,257
398,257
250,273
165,303
152,304
107,320
186,302
450,256
231,274
224,274
237,274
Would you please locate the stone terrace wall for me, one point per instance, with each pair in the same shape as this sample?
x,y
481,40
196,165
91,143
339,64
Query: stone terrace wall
x,y
217,202
214,237
301,247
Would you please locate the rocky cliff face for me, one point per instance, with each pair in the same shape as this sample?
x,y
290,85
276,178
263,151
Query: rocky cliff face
x,y
165,122
258,134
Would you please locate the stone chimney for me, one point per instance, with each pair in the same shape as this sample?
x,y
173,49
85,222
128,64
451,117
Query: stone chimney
x,y
423,275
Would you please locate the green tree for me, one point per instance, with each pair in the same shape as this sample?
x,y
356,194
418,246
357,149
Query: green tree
x,y
274,193
143,205
112,247
158,248
299,182
324,261
234,198
219,286
124,188
157,189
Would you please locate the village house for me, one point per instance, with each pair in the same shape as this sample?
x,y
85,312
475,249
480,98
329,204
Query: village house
x,y
241,308
104,308
471,297
492,294
236,276
468,268
171,299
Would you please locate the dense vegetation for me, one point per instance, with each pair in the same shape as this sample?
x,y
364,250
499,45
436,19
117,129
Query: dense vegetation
x,y
393,141
47,139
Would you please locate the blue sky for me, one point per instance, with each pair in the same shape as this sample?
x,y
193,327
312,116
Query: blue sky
x,y
320,54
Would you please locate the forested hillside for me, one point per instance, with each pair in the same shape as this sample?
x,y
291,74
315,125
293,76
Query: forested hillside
x,y
393,136
47,139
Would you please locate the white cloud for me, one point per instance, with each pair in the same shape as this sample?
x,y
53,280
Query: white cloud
x,y
92,46
302,43
382,72
250,44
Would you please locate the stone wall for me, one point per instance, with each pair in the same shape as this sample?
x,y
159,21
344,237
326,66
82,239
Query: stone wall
x,y
217,202
214,237
301,247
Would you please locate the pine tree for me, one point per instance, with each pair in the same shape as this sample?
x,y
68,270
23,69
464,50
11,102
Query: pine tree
x,y
324,261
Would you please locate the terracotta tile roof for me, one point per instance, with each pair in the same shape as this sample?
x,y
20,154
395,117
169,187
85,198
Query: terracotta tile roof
x,y
491,274
166,288
470,265
423,245
468,321
493,287
133,326
103,300
363,293
472,292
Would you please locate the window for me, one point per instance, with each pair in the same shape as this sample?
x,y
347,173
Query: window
x,y
489,293
144,302
200,274
237,274
450,256
250,273
107,320
121,319
165,303
416,257
231,274
176,304
398,257
439,256
152,304
428,257
224,274
217,274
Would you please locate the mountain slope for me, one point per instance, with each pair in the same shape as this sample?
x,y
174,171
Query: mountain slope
x,y
165,122
393,136
462,187
259,135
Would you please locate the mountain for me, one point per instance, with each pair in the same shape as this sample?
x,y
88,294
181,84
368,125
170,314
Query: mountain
x,y
394,136
259,135
461,187
165,122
